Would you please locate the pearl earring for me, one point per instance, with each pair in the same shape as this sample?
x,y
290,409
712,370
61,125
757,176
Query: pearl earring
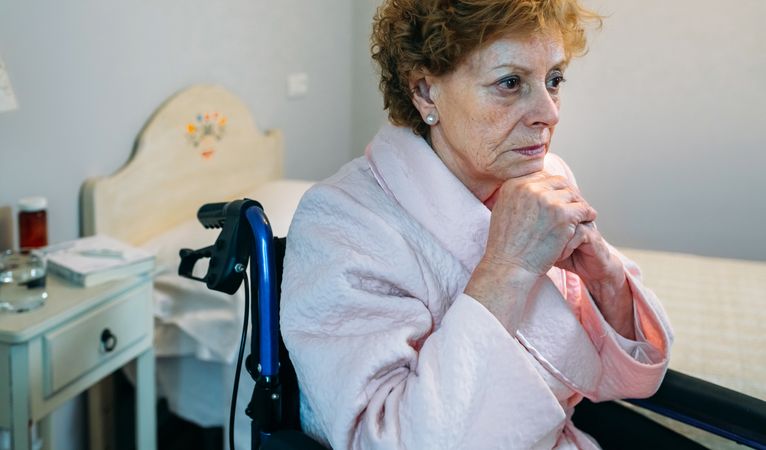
x,y
431,118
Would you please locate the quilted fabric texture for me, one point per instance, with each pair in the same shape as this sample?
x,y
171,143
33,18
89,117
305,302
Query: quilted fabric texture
x,y
391,354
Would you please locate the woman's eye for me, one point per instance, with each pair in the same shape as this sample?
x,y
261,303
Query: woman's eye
x,y
555,82
510,83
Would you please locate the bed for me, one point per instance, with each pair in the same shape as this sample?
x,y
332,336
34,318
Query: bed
x,y
200,146
203,146
717,308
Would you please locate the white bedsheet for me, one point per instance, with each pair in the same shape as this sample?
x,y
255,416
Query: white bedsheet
x,y
718,309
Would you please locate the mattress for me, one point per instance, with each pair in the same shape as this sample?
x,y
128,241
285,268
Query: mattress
x,y
717,308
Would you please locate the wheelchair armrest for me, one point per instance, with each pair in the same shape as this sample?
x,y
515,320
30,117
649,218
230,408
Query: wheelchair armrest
x,y
711,407
291,440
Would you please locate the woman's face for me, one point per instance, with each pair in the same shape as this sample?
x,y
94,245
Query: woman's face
x,y
497,110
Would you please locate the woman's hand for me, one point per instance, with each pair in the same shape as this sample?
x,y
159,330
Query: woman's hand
x,y
533,220
589,257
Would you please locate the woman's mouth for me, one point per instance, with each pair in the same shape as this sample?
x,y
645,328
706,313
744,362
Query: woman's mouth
x,y
533,150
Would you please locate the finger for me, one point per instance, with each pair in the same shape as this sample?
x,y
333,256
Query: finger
x,y
562,196
554,182
556,185
579,238
577,212
589,215
553,190
541,179
528,178
593,237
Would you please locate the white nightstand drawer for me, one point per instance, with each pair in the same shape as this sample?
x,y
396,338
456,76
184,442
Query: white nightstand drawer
x,y
77,347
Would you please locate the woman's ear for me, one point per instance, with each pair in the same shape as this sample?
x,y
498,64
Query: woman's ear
x,y
422,89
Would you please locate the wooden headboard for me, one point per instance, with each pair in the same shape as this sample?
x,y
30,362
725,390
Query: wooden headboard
x,y
200,146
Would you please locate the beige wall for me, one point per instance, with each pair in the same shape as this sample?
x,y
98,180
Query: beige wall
x,y
367,102
663,123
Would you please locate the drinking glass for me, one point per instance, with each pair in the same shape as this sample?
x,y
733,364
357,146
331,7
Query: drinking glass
x,y
22,281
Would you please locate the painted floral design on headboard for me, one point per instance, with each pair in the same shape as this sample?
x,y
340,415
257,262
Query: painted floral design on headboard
x,y
208,126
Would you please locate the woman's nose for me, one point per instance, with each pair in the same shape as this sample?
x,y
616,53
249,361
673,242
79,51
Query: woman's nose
x,y
543,109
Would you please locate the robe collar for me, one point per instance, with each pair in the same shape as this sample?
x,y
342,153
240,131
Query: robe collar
x,y
408,169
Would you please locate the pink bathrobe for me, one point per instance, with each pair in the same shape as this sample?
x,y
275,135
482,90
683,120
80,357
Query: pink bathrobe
x,y
391,354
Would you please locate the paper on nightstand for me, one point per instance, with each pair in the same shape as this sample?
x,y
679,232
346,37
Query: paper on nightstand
x,y
95,259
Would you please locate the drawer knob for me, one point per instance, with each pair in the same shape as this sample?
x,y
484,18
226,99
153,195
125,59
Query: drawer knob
x,y
108,341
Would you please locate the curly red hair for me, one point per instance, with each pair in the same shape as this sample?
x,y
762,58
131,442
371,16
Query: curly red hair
x,y
436,35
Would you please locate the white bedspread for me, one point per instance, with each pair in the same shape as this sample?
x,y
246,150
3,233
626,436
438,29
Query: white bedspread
x,y
718,310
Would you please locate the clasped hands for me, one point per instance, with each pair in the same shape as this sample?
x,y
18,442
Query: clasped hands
x,y
540,221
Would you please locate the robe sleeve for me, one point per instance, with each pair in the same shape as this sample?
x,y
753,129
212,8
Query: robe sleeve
x,y
377,368
630,368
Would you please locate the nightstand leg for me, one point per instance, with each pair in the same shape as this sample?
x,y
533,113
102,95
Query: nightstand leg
x,y
19,398
146,408
101,414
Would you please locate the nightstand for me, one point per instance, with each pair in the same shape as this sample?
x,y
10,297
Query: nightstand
x,y
53,353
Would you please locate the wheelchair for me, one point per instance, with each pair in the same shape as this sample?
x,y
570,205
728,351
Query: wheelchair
x,y
246,236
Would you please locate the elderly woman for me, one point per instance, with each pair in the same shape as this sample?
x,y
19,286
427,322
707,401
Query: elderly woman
x,y
450,289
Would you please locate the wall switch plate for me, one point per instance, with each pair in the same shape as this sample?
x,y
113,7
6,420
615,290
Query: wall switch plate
x,y
7,98
297,85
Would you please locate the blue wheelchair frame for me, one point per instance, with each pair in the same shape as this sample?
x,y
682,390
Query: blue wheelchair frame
x,y
268,363
701,404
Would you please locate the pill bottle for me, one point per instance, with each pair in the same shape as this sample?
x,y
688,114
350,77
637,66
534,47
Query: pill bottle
x,y
33,223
